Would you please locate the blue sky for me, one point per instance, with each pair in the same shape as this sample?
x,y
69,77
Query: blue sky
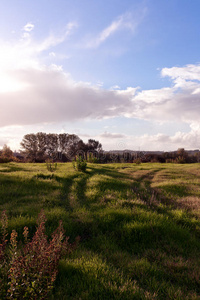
x,y
124,72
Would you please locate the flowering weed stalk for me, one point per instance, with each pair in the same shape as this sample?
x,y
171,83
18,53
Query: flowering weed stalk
x,y
3,258
30,272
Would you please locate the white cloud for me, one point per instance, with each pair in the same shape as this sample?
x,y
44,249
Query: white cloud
x,y
189,72
10,135
179,102
108,135
28,27
115,87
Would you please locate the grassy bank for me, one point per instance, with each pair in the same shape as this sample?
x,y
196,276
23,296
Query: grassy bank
x,y
139,226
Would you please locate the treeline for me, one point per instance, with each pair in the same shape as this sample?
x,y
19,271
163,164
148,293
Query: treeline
x,y
180,156
65,147
59,147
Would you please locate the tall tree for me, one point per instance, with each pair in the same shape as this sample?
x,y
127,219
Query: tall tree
x,y
94,145
75,145
52,145
41,146
30,145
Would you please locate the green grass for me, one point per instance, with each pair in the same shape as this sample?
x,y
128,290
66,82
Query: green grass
x,y
139,226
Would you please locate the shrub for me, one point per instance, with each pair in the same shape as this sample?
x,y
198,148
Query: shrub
x,y
5,159
180,160
29,271
137,161
79,164
51,166
6,155
93,159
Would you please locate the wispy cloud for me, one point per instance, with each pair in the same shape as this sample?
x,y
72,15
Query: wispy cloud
x,y
26,52
53,40
127,21
29,27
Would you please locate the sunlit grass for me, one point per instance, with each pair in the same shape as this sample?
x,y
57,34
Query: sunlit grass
x,y
139,226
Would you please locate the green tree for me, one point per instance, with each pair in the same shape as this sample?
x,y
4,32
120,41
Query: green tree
x,y
30,146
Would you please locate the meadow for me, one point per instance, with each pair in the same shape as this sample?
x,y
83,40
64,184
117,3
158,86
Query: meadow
x,y
139,226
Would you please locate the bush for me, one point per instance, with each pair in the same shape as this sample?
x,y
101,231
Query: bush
x,y
180,160
137,161
5,159
29,272
93,159
80,164
51,166
6,155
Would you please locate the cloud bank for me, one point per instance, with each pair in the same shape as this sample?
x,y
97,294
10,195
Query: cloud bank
x,y
48,94
146,142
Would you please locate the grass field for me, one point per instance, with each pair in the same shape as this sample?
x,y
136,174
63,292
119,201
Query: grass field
x,y
139,226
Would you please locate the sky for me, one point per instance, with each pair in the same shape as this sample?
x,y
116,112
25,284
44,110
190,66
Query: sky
x,y
126,73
